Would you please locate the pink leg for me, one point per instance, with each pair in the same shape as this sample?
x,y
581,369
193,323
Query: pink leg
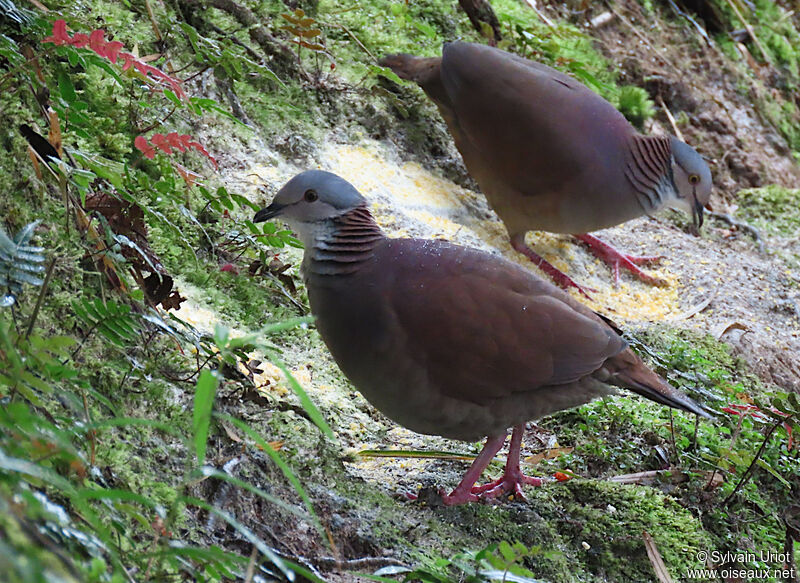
x,y
614,258
512,478
463,492
561,279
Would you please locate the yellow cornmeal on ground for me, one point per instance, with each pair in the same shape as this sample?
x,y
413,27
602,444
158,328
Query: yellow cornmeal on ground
x,y
443,226
190,311
409,183
272,380
635,300
261,173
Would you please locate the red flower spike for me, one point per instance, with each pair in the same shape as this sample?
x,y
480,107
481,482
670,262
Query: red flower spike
x,y
166,144
160,142
112,50
80,40
60,36
199,147
97,42
127,60
143,68
175,141
147,150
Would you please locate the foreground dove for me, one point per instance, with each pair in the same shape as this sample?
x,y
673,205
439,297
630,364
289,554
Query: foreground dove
x,y
550,154
448,340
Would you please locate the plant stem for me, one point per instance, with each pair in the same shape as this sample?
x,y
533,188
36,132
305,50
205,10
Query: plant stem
x,y
47,278
751,467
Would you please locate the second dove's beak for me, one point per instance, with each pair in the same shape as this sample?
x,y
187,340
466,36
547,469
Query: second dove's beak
x,y
697,213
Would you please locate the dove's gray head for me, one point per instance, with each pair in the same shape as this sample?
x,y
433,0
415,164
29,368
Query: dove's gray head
x,y
692,179
310,197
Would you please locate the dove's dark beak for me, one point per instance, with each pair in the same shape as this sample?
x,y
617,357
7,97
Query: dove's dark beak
x,y
697,214
267,213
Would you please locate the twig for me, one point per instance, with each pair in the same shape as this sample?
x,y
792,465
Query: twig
x,y
48,276
156,124
671,119
643,38
542,17
655,559
752,465
699,28
726,218
750,30
251,565
695,310
355,38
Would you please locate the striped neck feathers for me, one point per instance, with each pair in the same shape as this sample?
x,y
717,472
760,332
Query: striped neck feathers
x,y
342,244
649,170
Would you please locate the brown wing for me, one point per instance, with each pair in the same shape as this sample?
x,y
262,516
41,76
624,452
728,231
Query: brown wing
x,y
483,328
529,122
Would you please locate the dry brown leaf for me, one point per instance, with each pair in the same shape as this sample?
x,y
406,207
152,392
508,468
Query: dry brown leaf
x,y
35,159
189,177
548,454
276,445
150,57
724,328
55,132
229,431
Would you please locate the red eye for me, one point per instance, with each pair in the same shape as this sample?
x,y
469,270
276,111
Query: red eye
x,y
310,195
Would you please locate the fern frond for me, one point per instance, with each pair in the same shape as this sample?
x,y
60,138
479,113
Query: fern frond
x,y
112,320
19,261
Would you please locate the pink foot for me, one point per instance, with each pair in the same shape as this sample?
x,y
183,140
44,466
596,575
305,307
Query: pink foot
x,y
615,259
508,483
560,278
511,481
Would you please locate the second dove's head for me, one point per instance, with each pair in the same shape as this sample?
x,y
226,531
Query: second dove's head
x,y
692,179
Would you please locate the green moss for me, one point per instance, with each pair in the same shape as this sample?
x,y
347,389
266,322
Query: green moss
x,y
635,104
772,208
611,518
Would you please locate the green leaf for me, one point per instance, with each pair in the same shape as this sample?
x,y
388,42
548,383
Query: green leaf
x,y
761,463
33,470
203,405
308,405
114,495
172,97
66,88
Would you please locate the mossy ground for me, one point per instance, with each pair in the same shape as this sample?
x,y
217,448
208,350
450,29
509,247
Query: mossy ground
x,y
773,209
